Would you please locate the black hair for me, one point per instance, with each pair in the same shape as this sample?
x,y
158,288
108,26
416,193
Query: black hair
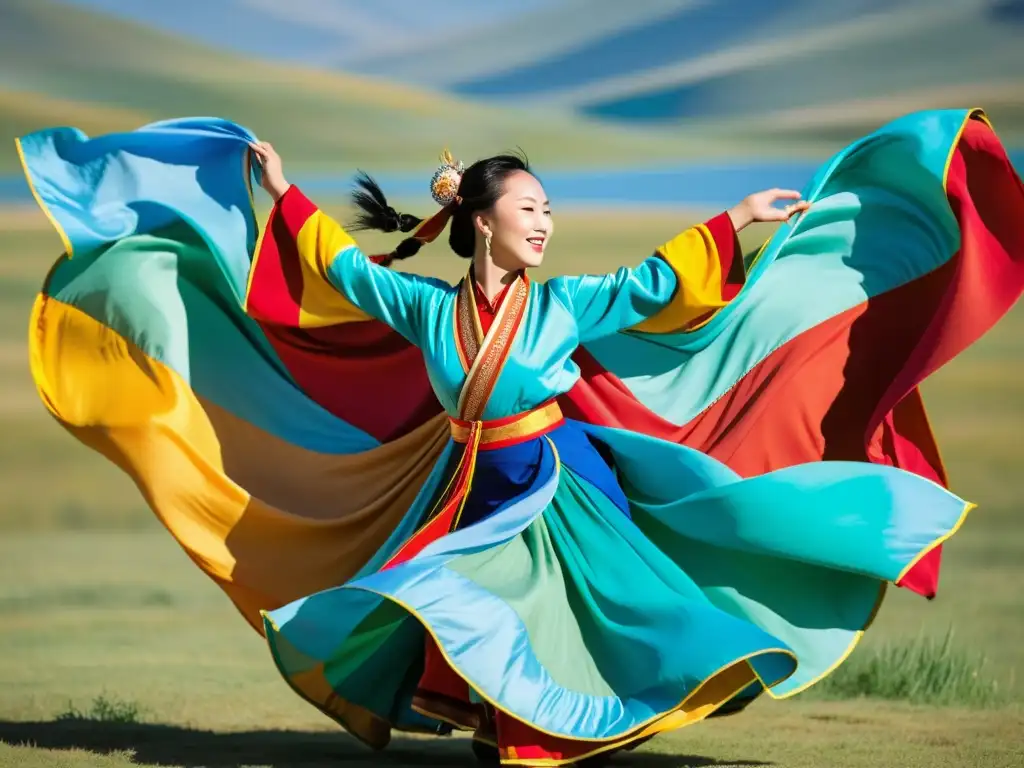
x,y
482,184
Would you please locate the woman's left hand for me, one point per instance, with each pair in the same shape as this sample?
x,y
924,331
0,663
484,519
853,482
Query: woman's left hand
x,y
273,169
761,207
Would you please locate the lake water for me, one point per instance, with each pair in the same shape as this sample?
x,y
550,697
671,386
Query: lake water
x,y
698,185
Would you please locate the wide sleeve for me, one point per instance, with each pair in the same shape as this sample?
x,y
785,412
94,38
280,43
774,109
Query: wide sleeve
x,y
682,284
308,272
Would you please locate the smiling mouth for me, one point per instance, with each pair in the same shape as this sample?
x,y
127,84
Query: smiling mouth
x,y
537,243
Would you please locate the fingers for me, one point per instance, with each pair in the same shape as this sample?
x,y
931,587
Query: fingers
x,y
785,194
764,208
790,210
262,148
263,152
785,214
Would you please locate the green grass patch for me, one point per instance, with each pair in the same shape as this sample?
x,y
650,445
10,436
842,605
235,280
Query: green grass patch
x,y
104,709
929,669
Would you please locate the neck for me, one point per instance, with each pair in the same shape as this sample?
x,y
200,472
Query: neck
x,y
491,277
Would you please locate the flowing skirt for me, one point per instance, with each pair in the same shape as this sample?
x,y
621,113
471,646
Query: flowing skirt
x,y
599,618
759,483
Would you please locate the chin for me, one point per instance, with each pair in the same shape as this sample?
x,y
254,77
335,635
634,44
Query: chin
x,y
531,260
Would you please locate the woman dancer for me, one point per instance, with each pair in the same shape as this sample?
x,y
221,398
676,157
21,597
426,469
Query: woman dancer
x,y
567,516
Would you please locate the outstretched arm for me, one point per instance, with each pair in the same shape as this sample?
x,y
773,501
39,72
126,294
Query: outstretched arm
x,y
683,283
308,271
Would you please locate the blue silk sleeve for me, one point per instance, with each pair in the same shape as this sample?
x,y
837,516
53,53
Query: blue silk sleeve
x,y
679,286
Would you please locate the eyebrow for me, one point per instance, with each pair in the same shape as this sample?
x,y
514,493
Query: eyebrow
x,y
534,199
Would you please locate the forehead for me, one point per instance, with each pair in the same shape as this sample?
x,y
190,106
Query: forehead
x,y
519,184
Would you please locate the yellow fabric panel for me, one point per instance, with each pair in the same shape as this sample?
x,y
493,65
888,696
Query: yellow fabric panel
x,y
267,537
709,696
693,256
319,241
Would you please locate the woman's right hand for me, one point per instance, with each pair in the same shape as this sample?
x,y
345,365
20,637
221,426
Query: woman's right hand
x,y
760,206
273,172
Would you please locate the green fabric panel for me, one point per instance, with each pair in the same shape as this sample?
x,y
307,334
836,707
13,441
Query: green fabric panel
x,y
164,292
377,660
626,594
291,660
527,573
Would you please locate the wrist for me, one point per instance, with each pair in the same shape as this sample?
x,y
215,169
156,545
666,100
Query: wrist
x,y
278,189
740,216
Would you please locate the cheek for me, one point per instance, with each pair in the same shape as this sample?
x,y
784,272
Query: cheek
x,y
515,229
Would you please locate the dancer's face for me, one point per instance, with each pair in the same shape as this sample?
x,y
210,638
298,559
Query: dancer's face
x,y
520,223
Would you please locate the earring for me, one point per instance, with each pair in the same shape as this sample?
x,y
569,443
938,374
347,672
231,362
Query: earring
x,y
487,245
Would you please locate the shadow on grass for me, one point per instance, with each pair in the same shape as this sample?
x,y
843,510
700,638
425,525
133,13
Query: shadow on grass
x,y
167,745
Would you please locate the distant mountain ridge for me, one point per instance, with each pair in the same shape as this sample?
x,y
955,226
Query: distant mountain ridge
x,y
585,83
656,62
64,65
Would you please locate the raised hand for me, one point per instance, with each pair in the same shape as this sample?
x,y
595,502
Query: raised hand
x,y
273,170
760,206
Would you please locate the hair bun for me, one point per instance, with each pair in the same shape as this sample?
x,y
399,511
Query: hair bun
x,y
444,185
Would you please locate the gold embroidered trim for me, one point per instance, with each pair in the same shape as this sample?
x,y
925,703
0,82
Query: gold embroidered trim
x,y
469,343
482,383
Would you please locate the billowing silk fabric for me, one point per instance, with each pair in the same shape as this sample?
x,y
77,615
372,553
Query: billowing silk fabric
x,y
744,463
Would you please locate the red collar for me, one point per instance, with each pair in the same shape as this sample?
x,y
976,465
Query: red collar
x,y
481,298
487,309
486,305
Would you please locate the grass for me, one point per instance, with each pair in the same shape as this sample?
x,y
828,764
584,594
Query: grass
x,y
795,736
116,651
927,670
103,710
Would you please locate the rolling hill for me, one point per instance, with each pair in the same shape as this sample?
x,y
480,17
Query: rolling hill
x,y
795,77
64,65
896,48
312,32
798,71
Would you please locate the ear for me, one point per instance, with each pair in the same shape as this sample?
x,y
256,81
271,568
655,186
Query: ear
x,y
482,224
